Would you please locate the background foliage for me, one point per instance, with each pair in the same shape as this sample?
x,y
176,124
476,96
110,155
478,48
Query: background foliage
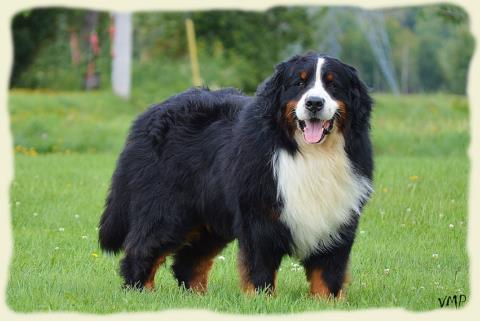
x,y
429,48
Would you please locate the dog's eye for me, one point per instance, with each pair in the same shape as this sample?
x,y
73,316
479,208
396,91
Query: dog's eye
x,y
300,83
330,83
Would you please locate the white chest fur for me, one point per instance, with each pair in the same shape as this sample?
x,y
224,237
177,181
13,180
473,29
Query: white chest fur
x,y
320,192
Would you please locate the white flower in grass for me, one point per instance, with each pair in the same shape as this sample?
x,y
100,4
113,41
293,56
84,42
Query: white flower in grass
x,y
450,226
386,271
35,214
221,258
84,237
61,229
362,232
435,255
77,216
409,209
56,248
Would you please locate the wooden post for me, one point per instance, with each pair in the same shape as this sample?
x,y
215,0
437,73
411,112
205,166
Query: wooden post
x,y
192,49
121,67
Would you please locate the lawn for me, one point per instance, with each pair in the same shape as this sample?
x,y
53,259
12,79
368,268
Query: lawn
x,y
410,248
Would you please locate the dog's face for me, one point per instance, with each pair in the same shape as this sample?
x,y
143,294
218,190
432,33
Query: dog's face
x,y
316,94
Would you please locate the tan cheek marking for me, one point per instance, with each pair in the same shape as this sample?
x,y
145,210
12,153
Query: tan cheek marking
x,y
289,114
342,108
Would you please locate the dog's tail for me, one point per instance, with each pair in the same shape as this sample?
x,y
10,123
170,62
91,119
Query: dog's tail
x,y
113,227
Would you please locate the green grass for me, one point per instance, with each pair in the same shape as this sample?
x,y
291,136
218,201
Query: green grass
x,y
410,249
70,121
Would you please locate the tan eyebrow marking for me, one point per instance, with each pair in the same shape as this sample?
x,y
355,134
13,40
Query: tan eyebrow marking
x,y
329,76
303,75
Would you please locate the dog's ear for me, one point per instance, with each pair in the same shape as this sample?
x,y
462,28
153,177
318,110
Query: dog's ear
x,y
272,86
360,100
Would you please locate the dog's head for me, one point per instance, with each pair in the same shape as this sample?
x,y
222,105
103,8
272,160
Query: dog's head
x,y
316,94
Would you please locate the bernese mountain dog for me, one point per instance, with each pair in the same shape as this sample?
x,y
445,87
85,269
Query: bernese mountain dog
x,y
285,172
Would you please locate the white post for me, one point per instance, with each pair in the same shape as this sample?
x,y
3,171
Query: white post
x,y
122,59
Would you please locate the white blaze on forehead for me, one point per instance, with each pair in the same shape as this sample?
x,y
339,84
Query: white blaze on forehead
x,y
318,71
318,90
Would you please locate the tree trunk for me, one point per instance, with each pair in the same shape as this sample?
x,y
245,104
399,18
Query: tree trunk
x,y
122,42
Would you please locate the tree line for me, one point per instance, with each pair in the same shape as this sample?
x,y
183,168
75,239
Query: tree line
x,y
409,50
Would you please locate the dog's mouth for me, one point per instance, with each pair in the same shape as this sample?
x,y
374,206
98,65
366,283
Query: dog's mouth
x,y
315,130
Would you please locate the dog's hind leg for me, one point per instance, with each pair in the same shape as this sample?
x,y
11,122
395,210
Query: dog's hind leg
x,y
193,261
146,248
139,269
150,283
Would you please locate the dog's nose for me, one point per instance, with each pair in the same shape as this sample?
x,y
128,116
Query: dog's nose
x,y
314,103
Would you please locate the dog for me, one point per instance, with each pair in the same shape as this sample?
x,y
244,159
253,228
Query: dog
x,y
285,172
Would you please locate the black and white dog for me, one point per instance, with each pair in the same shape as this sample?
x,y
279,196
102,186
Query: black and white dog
x,y
285,172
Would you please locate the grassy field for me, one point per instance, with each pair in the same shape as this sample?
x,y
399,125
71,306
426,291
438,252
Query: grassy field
x,y
410,249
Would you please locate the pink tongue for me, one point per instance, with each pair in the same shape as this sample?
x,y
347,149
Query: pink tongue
x,y
313,131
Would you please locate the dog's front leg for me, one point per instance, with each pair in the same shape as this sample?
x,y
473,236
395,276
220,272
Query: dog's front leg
x,y
258,266
327,271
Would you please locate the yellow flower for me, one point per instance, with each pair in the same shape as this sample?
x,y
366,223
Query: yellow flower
x,y
26,151
94,254
413,178
385,190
